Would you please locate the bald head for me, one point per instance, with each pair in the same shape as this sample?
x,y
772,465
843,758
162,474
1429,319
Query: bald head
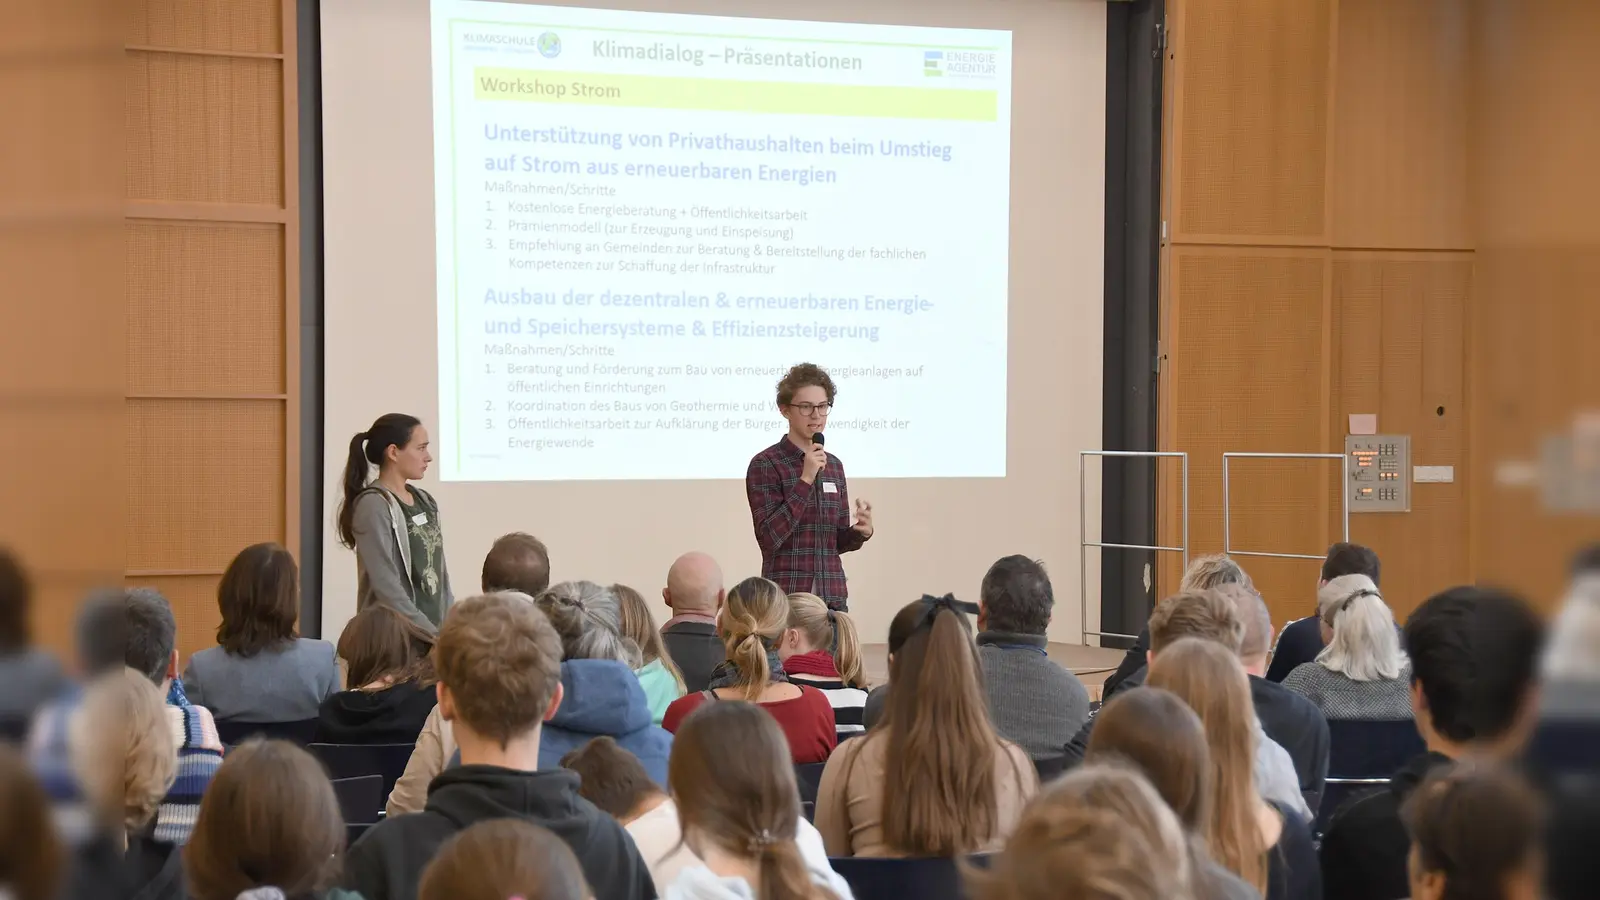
x,y
1257,621
694,585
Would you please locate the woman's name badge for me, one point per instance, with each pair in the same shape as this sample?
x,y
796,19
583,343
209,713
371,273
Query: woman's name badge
x,y
420,519
829,487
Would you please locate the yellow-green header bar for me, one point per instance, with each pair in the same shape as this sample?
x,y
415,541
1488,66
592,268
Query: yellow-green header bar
x,y
788,97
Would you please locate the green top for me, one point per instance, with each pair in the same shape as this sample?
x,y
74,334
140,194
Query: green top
x,y
427,555
660,688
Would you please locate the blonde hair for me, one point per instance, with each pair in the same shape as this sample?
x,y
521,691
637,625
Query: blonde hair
x,y
1208,572
1366,644
1209,678
831,630
122,749
640,627
1101,832
753,618
1204,614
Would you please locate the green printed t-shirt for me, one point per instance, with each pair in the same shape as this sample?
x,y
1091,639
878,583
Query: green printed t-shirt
x,y
427,556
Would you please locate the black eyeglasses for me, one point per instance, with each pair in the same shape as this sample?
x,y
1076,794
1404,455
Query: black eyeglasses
x,y
806,409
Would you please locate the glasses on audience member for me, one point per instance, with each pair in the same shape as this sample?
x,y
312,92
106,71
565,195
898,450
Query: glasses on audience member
x,y
806,409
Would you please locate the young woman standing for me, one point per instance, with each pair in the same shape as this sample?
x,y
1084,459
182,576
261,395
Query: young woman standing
x,y
394,526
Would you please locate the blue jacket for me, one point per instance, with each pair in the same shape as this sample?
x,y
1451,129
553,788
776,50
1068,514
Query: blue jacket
x,y
604,697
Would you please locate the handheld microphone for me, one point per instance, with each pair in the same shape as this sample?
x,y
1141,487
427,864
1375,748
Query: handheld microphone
x,y
816,438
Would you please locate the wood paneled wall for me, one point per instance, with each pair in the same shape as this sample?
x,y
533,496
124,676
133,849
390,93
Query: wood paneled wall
x,y
212,269
1380,207
1318,264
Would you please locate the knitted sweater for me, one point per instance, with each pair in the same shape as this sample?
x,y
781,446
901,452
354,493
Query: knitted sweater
x,y
1341,697
1036,704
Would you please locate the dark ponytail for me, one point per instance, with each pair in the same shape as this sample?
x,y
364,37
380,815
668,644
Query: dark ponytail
x,y
368,448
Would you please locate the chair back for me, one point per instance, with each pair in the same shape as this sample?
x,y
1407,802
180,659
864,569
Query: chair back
x,y
235,733
1371,748
898,879
354,760
809,777
360,799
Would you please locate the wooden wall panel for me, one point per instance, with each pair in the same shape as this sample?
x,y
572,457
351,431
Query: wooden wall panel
x,y
212,265
1248,374
239,26
1401,322
1250,120
181,338
205,128
1399,163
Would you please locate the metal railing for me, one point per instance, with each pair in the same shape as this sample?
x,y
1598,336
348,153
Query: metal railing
x,y
1227,514
1083,530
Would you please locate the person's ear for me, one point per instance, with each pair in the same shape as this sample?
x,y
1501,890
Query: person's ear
x,y
555,703
666,597
1149,658
447,703
172,665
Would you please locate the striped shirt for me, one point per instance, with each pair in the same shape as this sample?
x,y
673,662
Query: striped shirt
x,y
817,669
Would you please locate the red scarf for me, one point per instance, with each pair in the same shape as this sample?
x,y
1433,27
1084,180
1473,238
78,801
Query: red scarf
x,y
815,662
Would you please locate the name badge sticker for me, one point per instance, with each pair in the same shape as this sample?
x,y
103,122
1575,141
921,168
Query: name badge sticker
x,y
420,518
829,487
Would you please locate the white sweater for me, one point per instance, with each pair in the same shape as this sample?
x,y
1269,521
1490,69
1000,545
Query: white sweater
x,y
696,882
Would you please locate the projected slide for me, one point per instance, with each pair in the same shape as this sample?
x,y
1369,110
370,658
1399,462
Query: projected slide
x,y
644,219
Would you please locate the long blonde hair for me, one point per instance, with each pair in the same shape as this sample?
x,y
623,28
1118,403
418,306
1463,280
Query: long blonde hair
x,y
1101,832
640,627
1210,679
733,780
753,618
831,630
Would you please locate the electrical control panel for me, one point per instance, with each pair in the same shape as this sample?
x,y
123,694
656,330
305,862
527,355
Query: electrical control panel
x,y
1380,472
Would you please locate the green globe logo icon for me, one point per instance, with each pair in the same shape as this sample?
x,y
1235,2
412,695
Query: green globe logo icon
x,y
550,44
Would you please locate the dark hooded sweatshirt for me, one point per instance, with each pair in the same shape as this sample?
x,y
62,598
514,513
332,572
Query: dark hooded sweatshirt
x,y
392,716
1365,847
387,862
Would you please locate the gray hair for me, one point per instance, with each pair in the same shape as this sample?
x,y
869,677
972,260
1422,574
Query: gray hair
x,y
588,617
151,632
1208,572
1253,612
1366,644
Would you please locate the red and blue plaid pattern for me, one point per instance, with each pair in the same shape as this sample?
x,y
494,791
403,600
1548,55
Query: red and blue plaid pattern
x,y
801,528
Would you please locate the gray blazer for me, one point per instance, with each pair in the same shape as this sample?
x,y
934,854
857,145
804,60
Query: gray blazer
x,y
383,556
284,684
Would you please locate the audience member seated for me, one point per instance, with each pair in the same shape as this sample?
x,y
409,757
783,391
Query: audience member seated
x,y
504,858
148,635
516,562
821,648
269,828
499,666
1290,720
739,808
694,594
386,663
261,671
754,616
1570,699
1203,574
123,752
29,678
1473,654
32,862
613,780
933,779
1261,839
1476,831
1035,703
1214,615
659,675
1303,639
101,649
1098,833
1156,731
600,693
1361,673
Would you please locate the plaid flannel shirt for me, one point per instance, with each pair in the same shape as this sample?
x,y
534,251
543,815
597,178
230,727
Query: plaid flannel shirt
x,y
801,528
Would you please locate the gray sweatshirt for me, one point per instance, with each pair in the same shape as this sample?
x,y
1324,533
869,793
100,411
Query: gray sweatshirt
x,y
383,555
